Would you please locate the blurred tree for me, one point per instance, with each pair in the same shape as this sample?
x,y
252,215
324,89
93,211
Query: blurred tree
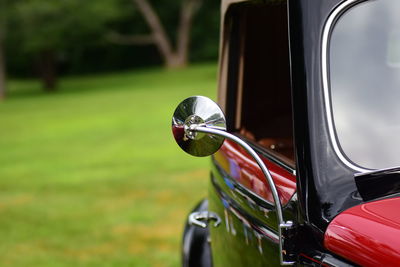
x,y
80,30
174,55
2,65
3,22
47,28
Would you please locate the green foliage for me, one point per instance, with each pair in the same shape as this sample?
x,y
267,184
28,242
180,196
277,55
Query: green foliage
x,y
205,33
77,29
58,25
91,176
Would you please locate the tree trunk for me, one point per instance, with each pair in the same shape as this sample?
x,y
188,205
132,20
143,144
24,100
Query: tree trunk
x,y
2,70
161,39
175,61
172,58
188,10
47,70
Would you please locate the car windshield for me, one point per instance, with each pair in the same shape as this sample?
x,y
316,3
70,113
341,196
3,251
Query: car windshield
x,y
364,70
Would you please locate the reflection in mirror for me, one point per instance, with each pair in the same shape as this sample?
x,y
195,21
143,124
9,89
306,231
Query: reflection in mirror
x,y
201,111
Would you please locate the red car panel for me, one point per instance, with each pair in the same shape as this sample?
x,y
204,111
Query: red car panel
x,y
368,234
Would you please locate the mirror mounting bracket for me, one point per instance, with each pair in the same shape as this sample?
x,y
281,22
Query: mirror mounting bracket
x,y
283,225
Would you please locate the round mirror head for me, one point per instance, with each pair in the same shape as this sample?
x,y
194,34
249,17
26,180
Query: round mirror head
x,y
202,111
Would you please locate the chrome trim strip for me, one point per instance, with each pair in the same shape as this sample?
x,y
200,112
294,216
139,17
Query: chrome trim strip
x,y
330,23
391,169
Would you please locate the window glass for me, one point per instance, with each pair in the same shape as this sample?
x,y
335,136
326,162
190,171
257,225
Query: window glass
x,y
365,83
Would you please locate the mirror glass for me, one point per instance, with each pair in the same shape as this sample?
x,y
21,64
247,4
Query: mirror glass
x,y
202,111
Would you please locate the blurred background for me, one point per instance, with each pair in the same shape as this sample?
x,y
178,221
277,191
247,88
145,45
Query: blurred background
x,y
89,172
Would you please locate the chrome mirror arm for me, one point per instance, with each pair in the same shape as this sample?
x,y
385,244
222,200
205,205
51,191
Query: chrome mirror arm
x,y
278,206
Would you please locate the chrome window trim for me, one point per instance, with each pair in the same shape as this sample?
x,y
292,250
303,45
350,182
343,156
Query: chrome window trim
x,y
327,30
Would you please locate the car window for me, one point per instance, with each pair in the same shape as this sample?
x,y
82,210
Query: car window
x,y
364,63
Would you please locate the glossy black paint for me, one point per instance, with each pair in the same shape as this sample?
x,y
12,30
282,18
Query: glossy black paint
x,y
247,235
325,185
378,184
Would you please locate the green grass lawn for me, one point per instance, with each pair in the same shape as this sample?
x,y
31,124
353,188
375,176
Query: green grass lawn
x,y
91,175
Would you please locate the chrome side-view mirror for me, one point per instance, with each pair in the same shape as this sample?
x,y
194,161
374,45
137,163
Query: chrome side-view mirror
x,y
199,128
198,111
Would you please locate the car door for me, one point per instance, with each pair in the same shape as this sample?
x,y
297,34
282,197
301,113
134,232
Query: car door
x,y
255,92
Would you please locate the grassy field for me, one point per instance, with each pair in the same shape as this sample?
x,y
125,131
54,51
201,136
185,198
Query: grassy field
x,y
91,176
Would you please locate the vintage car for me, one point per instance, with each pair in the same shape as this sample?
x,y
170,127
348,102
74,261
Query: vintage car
x,y
305,165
